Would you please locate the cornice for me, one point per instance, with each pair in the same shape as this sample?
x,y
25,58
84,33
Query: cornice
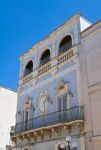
x,y
92,29
50,36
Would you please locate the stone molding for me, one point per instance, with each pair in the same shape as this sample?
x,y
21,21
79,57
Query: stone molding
x,y
51,35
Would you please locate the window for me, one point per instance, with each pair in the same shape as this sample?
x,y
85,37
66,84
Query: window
x,y
29,68
45,58
62,102
63,97
65,44
62,105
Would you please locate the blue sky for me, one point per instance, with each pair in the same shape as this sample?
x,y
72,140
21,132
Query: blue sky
x,y
25,22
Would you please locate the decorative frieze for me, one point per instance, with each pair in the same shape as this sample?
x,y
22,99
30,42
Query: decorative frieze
x,y
49,132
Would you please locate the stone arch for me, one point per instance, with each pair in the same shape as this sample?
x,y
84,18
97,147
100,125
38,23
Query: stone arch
x,y
28,68
45,57
61,38
65,44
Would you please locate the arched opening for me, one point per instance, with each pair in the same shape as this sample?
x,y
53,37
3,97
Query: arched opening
x,y
65,44
45,58
29,68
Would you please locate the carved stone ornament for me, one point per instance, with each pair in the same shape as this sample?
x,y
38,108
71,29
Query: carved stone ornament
x,y
27,104
63,88
26,147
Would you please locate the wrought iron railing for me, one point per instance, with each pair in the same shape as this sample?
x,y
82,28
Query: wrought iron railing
x,y
64,116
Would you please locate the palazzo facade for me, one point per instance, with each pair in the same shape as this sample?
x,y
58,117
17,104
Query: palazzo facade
x,y
53,97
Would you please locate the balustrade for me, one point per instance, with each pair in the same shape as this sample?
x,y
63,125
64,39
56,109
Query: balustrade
x,y
44,68
65,56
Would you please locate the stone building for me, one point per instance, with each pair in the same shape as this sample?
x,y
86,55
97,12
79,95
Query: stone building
x,y
59,90
90,68
8,105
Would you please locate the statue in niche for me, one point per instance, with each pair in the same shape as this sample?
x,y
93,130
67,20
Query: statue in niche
x,y
43,101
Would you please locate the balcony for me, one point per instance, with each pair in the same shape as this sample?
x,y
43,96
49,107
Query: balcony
x,y
65,116
27,78
63,57
44,68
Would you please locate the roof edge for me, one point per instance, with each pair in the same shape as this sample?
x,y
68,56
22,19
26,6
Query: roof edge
x,y
8,89
51,33
91,28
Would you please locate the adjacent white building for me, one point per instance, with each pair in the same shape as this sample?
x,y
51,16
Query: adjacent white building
x,y
8,103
